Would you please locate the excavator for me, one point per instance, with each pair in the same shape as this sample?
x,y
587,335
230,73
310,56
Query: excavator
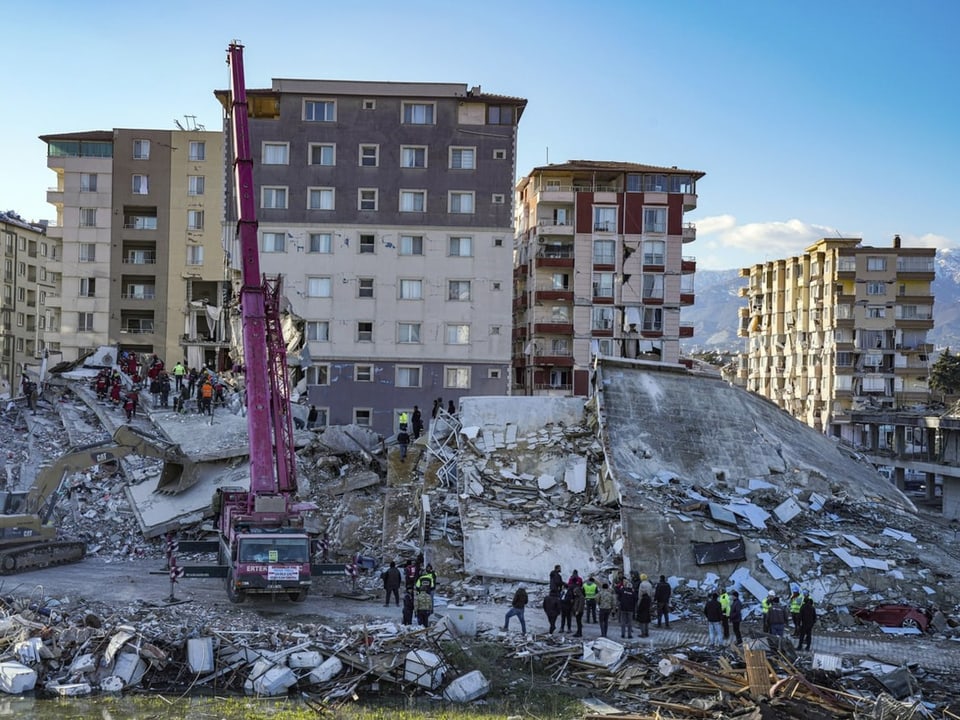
x,y
29,538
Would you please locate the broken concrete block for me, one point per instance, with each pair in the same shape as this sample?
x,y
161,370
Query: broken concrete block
x,y
575,474
467,687
16,678
200,655
69,689
28,651
545,482
272,679
603,651
129,668
463,618
787,510
424,668
327,670
85,663
828,663
111,684
669,665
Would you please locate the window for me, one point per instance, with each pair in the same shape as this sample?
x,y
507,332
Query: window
x,y
458,334
369,155
499,154
21,270
559,346
195,255
459,290
364,331
195,185
605,219
368,245
273,198
274,242
21,319
408,332
194,219
456,377
418,113
369,104
322,154
495,285
411,289
140,291
876,288
413,156
197,150
88,252
318,331
411,245
603,285
460,247
498,198
141,149
319,287
318,375
652,319
560,281
655,220
655,183
320,198
653,251
498,242
408,376
365,287
652,287
603,252
876,311
88,287
500,115
602,318
461,202
43,249
463,158
88,217
876,264
319,110
363,373
85,322
413,201
362,416
141,257
367,198
494,329
88,182
320,243
276,153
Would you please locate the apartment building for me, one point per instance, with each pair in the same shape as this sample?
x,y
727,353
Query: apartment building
x,y
387,210
599,269
138,221
27,284
839,330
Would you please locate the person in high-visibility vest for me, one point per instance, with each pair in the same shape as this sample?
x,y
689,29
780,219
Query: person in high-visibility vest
x,y
590,590
796,602
724,599
765,610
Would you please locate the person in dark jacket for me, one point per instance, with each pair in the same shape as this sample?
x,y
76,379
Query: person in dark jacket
x,y
643,614
714,614
566,609
808,617
777,617
403,440
408,607
517,607
736,615
551,606
391,584
579,604
627,599
556,581
661,596
417,420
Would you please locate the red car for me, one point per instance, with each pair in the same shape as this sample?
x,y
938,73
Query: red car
x,y
894,615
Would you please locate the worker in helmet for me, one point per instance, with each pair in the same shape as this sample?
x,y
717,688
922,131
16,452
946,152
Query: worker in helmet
x,y
765,610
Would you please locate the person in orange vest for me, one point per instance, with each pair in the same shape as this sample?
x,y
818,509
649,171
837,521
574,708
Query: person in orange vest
x,y
206,397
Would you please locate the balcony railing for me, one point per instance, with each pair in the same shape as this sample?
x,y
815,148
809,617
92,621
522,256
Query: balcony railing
x,y
607,227
139,296
555,252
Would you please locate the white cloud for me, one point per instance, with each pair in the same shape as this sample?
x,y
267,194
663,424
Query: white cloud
x,y
731,245
928,240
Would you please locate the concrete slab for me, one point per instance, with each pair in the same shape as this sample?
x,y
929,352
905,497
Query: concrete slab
x,y
527,414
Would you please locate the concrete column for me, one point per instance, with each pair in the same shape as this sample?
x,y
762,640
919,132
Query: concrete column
x,y
899,441
899,477
874,433
931,485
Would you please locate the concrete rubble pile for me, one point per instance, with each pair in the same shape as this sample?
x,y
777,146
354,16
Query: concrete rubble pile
x,y
75,648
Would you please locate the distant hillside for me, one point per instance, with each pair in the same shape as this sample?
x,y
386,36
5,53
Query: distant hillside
x,y
714,316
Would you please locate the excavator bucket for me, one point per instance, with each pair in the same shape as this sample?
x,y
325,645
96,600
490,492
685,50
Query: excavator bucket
x,y
177,477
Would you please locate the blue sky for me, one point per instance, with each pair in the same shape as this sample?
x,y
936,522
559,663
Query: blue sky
x,y
810,119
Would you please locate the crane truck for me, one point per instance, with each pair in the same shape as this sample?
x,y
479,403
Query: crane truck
x,y
28,536
264,543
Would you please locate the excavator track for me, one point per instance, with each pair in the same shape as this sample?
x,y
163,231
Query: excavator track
x,y
39,555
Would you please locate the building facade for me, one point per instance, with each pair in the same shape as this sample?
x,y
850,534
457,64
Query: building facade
x,y
387,210
28,284
838,330
599,269
138,222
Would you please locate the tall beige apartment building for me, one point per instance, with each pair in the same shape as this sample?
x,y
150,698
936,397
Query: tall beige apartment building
x,y
25,252
599,269
138,227
841,328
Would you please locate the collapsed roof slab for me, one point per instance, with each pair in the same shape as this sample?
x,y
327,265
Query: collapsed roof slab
x,y
525,414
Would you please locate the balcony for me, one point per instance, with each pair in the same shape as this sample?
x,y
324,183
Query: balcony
x,y
687,298
139,258
686,330
550,228
552,360
689,232
555,256
552,328
55,196
552,292
144,295
555,194
688,264
916,268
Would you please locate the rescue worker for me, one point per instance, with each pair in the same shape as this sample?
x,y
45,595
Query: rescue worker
x,y
427,582
724,599
765,610
590,590
796,602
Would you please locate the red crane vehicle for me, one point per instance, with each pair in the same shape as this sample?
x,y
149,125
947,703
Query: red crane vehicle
x,y
264,546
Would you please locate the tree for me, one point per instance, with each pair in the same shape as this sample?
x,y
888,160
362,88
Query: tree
x,y
945,374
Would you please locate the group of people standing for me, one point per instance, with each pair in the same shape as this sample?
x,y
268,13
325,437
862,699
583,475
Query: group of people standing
x,y
724,611
419,582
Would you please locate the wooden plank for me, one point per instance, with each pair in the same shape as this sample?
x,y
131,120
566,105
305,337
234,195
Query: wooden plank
x,y
758,672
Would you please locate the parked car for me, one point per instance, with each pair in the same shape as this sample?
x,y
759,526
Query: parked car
x,y
896,615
